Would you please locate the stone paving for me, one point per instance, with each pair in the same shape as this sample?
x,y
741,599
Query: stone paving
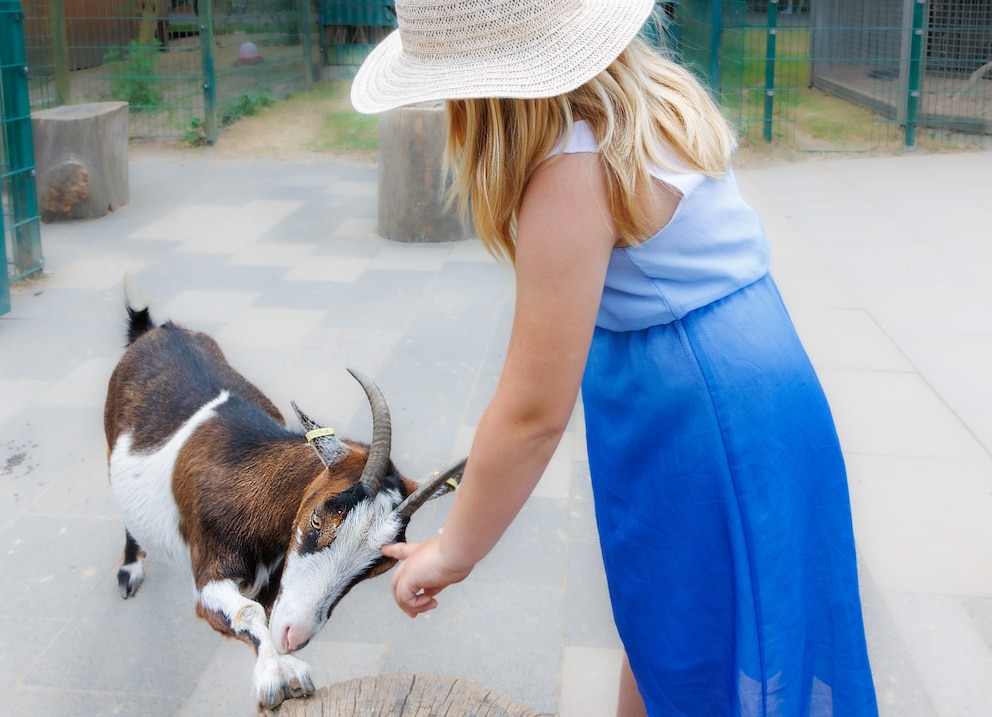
x,y
884,263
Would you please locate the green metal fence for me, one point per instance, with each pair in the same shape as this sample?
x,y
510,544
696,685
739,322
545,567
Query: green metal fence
x,y
19,222
846,74
908,71
186,67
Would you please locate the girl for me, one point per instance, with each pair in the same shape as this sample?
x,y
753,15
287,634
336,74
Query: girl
x,y
602,171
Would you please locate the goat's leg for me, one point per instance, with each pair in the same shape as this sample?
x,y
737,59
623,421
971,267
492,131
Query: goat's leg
x,y
131,574
276,677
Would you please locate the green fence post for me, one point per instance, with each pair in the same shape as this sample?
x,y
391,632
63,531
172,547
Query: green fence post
x,y
4,281
716,41
16,104
770,50
915,52
60,51
209,74
305,22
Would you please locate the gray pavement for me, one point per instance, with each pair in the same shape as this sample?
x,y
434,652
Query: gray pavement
x,y
884,263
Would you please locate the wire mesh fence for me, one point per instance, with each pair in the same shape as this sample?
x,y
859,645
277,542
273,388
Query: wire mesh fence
x,y
845,74
19,223
182,65
814,74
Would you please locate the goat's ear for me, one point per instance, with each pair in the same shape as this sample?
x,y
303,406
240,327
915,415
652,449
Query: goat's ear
x,y
329,447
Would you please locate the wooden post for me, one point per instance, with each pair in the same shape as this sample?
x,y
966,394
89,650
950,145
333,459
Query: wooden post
x,y
411,195
60,51
149,23
81,155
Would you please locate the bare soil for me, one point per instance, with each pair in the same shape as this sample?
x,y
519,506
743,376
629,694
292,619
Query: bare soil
x,y
310,125
320,123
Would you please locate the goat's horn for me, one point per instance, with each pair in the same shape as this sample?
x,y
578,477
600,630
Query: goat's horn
x,y
433,487
382,435
329,447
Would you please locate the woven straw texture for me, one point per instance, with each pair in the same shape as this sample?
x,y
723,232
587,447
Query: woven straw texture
x,y
494,48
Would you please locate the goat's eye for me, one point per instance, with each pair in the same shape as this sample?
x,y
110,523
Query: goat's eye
x,y
315,521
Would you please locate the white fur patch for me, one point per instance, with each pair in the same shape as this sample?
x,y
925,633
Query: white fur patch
x,y
312,582
275,676
142,486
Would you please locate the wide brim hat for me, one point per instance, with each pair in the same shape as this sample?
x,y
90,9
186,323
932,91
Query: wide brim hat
x,y
494,48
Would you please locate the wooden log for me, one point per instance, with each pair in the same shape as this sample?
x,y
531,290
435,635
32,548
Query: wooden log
x,y
402,696
80,153
411,193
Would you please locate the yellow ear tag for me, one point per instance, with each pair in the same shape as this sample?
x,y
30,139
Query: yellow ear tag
x,y
318,433
453,483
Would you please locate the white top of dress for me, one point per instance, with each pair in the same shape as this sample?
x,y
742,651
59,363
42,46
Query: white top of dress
x,y
713,246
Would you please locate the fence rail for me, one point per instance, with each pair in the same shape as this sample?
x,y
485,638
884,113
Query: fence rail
x,y
921,70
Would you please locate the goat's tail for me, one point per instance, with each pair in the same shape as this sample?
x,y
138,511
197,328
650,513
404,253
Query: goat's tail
x,y
139,319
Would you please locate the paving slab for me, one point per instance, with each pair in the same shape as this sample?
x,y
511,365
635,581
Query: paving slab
x,y
883,262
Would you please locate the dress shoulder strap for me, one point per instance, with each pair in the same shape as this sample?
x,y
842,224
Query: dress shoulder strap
x,y
583,140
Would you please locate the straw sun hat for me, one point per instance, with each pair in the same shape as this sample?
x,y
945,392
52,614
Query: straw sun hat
x,y
460,49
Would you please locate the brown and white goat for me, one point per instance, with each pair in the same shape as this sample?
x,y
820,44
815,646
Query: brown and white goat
x,y
275,528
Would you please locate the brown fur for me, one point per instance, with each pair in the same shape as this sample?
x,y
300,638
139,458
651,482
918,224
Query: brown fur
x,y
245,486
236,511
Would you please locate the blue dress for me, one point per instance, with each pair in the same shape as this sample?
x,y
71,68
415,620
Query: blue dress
x,y
720,488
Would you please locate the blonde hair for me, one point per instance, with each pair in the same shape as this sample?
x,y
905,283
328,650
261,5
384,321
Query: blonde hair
x,y
643,110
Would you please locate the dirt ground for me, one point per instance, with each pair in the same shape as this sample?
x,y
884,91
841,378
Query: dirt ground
x,y
291,133
307,126
320,124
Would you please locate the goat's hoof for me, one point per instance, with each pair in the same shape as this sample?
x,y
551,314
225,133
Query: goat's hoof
x,y
296,688
282,678
129,579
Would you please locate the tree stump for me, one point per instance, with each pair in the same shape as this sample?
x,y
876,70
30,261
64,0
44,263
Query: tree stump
x,y
402,696
411,190
80,153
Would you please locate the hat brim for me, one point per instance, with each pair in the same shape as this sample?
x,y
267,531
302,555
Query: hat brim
x,y
577,50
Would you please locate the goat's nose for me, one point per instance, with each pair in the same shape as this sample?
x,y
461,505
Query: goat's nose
x,y
285,644
292,640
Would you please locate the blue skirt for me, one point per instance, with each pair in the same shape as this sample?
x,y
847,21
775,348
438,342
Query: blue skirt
x,y
724,516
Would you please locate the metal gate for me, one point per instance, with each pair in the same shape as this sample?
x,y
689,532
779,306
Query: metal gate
x,y
19,221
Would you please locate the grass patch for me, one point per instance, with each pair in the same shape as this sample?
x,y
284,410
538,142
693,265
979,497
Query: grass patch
x,y
347,132
833,121
317,121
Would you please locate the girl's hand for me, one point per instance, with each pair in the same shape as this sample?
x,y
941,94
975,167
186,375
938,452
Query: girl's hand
x,y
421,575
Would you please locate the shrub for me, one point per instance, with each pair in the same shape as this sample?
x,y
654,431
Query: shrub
x,y
133,77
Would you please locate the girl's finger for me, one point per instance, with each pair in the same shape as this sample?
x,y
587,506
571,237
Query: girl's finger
x,y
399,551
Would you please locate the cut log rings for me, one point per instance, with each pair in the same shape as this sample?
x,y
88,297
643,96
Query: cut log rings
x,y
80,154
402,696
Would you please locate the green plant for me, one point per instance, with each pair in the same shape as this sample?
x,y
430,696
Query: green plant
x,y
133,76
246,105
195,136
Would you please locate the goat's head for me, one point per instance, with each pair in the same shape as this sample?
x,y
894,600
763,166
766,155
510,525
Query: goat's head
x,y
343,522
